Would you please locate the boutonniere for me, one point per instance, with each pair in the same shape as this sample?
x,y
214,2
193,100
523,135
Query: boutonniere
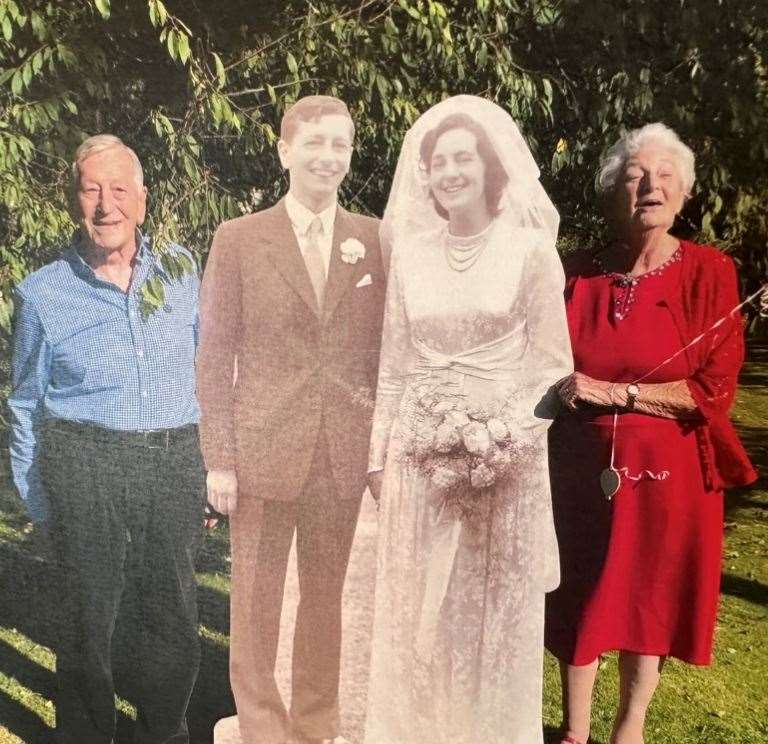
x,y
352,250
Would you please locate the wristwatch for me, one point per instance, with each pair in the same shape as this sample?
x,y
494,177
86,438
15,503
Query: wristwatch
x,y
633,390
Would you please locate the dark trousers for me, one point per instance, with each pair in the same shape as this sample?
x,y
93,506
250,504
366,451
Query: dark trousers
x,y
125,510
262,533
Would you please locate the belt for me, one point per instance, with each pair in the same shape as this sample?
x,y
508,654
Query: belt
x,y
151,439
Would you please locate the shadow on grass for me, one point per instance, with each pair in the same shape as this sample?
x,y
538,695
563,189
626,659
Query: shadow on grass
x,y
751,590
27,586
23,723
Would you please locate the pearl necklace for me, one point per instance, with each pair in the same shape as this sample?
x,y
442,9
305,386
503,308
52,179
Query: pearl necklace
x,y
462,251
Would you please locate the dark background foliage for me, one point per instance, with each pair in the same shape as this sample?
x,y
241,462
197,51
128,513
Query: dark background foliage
x,y
198,88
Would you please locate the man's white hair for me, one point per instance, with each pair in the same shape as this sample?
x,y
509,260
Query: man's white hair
x,y
615,158
99,143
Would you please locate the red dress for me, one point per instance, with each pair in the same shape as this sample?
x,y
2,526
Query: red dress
x,y
640,573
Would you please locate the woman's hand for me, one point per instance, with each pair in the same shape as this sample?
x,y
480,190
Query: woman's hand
x,y
580,388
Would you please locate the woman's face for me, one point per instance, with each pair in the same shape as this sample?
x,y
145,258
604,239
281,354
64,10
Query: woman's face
x,y
650,191
457,173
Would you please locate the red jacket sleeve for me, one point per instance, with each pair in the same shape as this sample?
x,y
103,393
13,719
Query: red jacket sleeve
x,y
721,354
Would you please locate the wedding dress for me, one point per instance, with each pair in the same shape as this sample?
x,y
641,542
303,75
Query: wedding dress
x,y
457,639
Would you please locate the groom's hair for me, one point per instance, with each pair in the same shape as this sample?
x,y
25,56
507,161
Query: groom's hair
x,y
495,176
312,108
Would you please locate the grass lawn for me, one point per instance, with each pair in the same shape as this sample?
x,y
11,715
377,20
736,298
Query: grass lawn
x,y
725,704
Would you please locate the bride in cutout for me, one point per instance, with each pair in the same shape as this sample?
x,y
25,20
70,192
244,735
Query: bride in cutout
x,y
475,336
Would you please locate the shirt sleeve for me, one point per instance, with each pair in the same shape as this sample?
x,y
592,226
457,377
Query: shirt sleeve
x,y
31,370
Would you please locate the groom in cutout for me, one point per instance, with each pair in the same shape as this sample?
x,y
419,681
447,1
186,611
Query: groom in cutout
x,y
291,310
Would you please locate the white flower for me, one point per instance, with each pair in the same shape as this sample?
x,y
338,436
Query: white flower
x,y
444,478
352,250
482,476
497,429
476,438
446,438
456,418
479,413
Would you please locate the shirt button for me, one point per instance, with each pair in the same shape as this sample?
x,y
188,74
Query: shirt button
x,y
144,393
132,313
139,353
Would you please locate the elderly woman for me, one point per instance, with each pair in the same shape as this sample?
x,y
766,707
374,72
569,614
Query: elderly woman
x,y
644,448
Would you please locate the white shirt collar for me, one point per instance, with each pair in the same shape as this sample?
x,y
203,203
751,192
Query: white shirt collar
x,y
301,217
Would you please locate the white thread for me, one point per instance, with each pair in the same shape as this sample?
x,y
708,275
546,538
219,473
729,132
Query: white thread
x,y
761,293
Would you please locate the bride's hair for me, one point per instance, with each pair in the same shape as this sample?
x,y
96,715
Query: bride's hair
x,y
495,175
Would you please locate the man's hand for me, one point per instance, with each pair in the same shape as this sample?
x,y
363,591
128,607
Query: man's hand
x,y
222,490
375,479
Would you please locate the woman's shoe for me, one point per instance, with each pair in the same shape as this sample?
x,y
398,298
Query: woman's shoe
x,y
570,740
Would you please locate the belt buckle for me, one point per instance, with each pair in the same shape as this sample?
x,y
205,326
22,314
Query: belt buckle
x,y
147,436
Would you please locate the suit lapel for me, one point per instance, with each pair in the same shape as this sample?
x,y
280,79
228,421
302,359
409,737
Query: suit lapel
x,y
340,273
284,252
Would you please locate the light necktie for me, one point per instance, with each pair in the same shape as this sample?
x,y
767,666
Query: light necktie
x,y
313,258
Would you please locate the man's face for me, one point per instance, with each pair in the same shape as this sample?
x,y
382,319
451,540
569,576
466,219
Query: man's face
x,y
111,202
318,157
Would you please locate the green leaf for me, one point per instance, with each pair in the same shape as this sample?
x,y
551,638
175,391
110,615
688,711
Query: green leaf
x,y
162,13
221,74
103,7
17,83
290,60
547,88
183,47
170,42
7,28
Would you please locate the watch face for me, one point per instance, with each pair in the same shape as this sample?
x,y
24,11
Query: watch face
x,y
633,389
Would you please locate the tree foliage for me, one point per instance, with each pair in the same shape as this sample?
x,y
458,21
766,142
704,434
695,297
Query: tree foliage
x,y
198,88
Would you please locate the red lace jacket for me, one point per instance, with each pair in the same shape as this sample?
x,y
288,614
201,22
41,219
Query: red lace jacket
x,y
708,291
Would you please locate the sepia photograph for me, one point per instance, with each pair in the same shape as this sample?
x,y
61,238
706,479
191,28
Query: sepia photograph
x,y
383,372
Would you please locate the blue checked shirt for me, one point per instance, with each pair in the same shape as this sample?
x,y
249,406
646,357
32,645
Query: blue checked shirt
x,y
82,352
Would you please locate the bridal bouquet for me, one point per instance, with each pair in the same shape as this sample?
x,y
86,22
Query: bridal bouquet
x,y
463,449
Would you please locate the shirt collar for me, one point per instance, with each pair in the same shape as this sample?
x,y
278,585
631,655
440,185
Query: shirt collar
x,y
145,255
301,217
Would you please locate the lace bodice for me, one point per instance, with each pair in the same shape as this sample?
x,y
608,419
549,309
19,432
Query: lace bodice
x,y
511,295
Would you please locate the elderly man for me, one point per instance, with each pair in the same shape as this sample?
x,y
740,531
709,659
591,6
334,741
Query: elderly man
x,y
105,451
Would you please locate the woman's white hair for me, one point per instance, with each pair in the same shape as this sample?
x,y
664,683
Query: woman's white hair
x,y
99,143
615,158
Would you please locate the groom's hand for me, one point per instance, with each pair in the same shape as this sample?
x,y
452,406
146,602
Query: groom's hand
x,y
222,490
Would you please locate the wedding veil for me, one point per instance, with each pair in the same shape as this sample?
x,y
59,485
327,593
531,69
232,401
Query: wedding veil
x,y
524,203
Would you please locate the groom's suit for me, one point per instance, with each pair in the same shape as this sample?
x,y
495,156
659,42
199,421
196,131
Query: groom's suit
x,y
295,426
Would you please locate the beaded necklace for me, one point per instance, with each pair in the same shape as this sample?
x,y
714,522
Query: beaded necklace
x,y
462,251
627,282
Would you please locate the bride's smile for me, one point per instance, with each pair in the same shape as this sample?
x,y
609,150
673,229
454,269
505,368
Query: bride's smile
x,y
457,172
